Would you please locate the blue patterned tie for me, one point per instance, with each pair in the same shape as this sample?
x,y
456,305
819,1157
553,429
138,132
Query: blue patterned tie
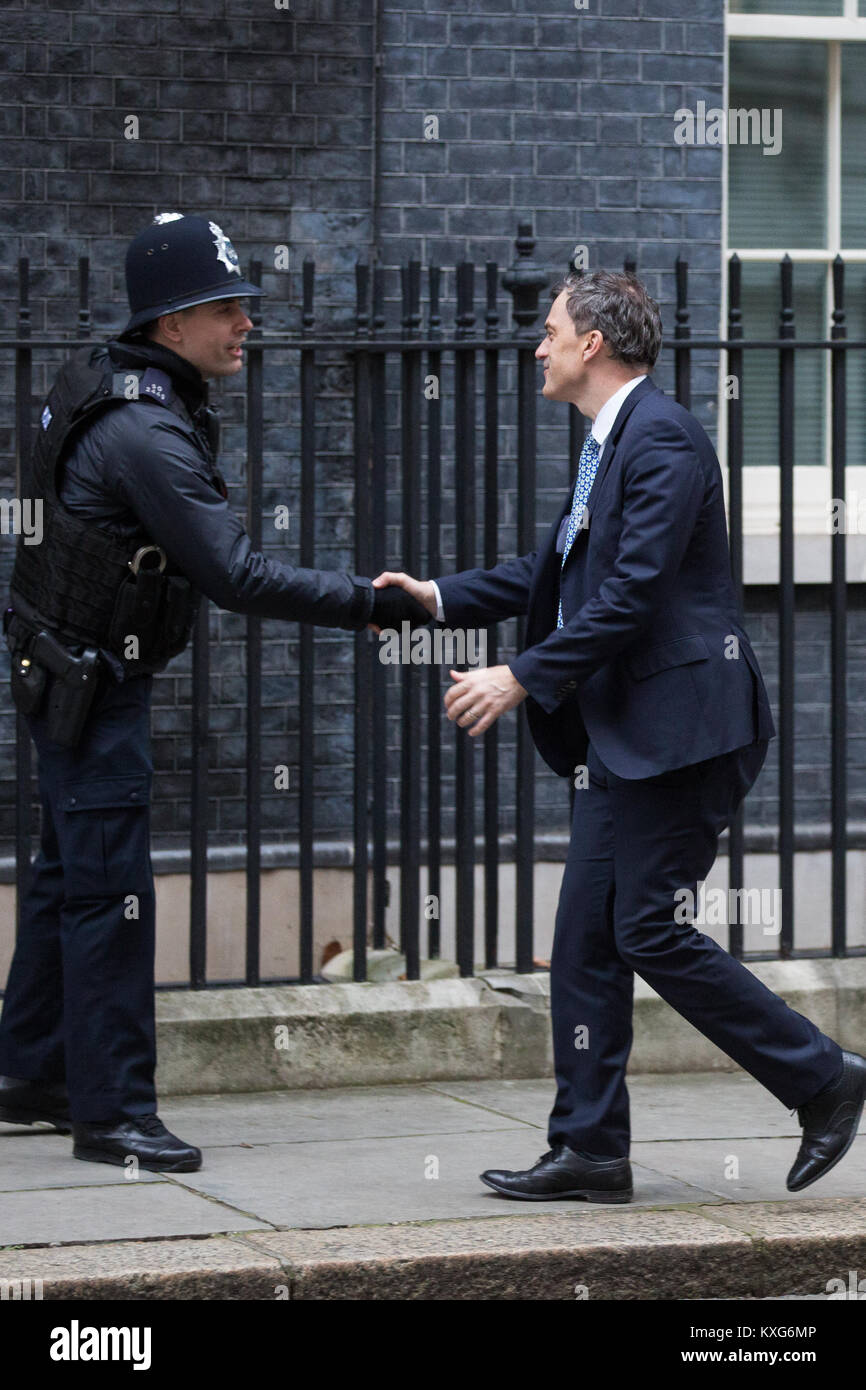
x,y
589,456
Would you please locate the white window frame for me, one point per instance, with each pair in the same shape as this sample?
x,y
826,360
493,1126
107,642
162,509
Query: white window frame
x,y
812,486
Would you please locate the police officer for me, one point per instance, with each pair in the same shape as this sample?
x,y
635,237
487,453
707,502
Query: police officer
x,y
136,527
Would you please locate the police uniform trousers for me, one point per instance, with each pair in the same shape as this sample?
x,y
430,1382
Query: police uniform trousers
x,y
635,844
79,1002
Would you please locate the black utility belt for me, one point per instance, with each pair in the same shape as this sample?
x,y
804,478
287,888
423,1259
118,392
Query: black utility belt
x,y
45,673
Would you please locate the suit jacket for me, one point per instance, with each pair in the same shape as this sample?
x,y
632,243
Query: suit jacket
x,y
653,663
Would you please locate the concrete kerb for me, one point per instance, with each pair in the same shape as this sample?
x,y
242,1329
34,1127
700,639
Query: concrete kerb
x,y
302,1036
494,1025
754,1250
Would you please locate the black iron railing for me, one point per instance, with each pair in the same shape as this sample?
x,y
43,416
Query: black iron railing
x,y
477,350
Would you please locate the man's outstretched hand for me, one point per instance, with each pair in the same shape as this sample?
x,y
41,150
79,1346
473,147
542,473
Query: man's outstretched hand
x,y
477,698
400,598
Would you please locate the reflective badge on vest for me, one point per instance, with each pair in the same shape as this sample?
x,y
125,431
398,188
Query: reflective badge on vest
x,y
47,417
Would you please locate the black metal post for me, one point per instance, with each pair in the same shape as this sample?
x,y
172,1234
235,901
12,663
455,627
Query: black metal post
x,y
491,555
435,674
464,494
786,610
410,748
378,553
736,843
363,674
199,799
255,432
524,280
306,631
24,488
839,623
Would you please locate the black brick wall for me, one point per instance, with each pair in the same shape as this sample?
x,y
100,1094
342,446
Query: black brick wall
x,y
262,119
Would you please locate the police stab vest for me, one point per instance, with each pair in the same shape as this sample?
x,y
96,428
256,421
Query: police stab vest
x,y
81,582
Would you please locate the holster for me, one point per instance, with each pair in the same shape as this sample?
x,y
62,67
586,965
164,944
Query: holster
x,y
155,608
135,613
71,691
43,671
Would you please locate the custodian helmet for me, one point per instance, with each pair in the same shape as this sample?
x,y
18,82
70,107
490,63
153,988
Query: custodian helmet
x,y
179,261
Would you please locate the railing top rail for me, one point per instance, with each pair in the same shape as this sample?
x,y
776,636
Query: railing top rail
x,y
349,343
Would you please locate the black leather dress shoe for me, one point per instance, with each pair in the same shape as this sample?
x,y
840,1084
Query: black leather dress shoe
x,y
829,1123
562,1172
145,1138
25,1102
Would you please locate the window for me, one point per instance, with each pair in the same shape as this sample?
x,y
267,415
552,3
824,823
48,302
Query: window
x,y
807,60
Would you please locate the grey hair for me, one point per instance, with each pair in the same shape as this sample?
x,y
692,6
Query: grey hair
x,y
619,306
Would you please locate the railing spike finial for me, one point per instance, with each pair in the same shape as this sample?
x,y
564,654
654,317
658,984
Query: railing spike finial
x,y
84,296
309,281
786,312
465,317
491,315
362,290
838,315
524,278
23,296
735,286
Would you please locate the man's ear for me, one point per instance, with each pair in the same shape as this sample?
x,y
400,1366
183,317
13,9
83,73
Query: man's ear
x,y
594,346
169,326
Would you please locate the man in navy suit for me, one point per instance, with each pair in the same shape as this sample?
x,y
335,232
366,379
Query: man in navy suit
x,y
641,683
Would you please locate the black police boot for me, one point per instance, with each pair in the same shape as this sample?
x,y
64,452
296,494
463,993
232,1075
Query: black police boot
x,y
145,1138
564,1172
25,1102
829,1121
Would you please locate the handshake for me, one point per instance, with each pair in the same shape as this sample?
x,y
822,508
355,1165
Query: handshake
x,y
399,599
476,698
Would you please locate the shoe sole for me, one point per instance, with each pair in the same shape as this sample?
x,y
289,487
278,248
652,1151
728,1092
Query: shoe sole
x,y
30,1117
855,1125
588,1194
182,1165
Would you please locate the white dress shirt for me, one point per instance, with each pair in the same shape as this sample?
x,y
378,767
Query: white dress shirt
x,y
601,428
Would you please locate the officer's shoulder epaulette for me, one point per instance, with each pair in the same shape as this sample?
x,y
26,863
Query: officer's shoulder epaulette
x,y
136,383
155,384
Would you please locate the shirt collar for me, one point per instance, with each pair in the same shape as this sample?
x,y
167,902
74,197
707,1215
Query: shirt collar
x,y
603,422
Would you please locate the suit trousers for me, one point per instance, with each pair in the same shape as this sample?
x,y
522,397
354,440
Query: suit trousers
x,y
635,844
79,1001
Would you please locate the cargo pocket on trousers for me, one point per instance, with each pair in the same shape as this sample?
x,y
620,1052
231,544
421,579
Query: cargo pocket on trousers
x,y
104,833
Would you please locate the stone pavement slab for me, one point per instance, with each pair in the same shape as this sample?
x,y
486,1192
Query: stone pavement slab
x,y
761,1165
703,1105
33,1161
72,1214
421,1178
374,1193
358,1112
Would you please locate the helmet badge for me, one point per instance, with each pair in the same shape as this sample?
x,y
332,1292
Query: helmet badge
x,y
226,253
